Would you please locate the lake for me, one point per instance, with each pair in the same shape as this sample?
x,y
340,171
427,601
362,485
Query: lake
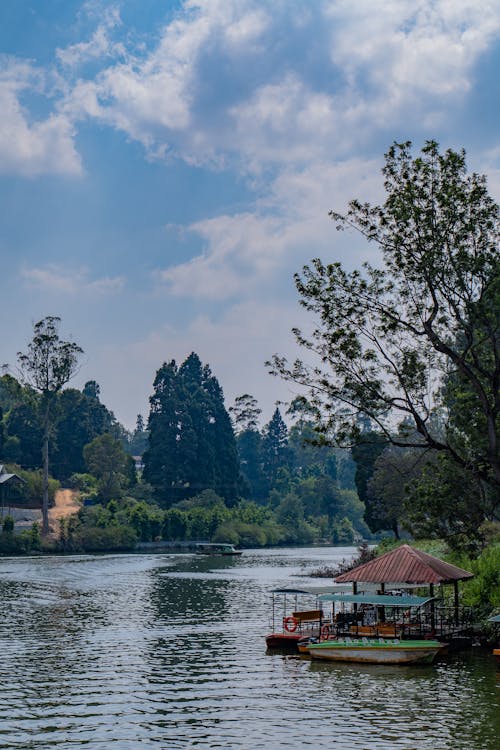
x,y
126,652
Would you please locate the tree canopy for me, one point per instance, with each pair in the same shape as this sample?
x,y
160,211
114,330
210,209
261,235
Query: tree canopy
x,y
47,365
191,441
388,338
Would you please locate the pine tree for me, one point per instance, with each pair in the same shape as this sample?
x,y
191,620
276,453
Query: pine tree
x,y
160,459
191,442
275,446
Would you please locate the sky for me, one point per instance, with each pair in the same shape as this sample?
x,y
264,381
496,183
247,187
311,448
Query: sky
x,y
166,167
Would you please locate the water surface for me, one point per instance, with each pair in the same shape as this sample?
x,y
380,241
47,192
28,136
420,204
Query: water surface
x,y
158,651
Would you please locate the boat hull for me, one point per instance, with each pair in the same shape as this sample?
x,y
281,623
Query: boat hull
x,y
283,640
402,652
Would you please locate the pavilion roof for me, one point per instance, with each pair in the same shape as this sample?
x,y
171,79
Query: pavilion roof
x,y
405,564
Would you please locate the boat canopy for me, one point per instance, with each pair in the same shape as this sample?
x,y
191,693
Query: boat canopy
x,y
495,618
378,600
314,590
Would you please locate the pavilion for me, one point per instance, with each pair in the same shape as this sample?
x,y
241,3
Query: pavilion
x,y
410,567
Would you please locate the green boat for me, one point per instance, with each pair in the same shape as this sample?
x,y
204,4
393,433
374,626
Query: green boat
x,y
375,651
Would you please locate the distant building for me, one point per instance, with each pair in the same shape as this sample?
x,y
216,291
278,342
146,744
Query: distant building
x,y
139,463
8,482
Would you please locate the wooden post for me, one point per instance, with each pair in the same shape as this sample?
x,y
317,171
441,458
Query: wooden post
x,y
381,614
455,589
433,612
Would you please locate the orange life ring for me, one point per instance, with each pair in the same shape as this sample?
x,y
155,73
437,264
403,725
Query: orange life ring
x,y
325,632
290,624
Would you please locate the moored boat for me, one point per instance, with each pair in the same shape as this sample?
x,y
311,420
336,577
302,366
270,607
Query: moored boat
x,y
381,651
295,625
217,549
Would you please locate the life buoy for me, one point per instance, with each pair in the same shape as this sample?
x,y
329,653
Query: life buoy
x,y
325,632
290,624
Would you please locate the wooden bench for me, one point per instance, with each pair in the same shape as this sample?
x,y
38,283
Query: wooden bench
x,y
308,615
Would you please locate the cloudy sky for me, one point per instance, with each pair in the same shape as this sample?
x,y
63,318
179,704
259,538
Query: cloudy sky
x,y
165,166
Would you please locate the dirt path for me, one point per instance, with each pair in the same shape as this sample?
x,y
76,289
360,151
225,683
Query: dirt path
x,y
65,504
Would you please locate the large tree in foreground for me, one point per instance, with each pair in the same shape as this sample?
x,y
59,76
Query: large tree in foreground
x,y
389,337
47,365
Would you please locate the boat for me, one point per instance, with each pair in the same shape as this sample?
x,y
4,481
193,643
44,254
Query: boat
x,y
217,549
375,651
292,625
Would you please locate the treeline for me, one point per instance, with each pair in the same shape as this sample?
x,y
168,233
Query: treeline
x,y
402,369
204,472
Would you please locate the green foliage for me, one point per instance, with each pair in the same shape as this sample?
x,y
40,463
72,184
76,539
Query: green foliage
x,y
139,439
275,447
47,365
387,338
80,417
106,459
109,538
483,591
8,525
343,532
189,424
448,503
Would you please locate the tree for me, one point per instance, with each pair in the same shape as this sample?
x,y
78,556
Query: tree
x,y
388,338
106,459
389,487
161,456
80,417
191,442
245,413
368,447
275,446
47,366
139,439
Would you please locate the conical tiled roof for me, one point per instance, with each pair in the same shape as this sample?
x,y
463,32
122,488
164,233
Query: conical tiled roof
x,y
405,565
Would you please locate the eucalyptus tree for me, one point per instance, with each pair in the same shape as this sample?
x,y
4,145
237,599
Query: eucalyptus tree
x,y
388,337
47,365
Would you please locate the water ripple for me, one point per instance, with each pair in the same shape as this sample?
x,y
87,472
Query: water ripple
x,y
163,652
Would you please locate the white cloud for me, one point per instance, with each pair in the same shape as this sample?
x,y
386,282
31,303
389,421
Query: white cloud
x,y
411,48
32,147
99,46
241,251
57,279
244,255
381,60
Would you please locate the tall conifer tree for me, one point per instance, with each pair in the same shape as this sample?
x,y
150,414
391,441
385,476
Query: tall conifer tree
x,y
191,442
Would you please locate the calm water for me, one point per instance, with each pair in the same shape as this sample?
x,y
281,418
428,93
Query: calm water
x,y
168,651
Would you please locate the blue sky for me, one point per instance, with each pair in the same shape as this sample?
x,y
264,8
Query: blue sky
x,y
165,167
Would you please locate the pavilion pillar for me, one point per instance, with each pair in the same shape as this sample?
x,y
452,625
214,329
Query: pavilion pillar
x,y
433,610
381,610
455,590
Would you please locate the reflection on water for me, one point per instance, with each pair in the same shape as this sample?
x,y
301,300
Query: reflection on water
x,y
168,651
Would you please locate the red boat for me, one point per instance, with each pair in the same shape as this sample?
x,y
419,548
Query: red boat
x,y
293,625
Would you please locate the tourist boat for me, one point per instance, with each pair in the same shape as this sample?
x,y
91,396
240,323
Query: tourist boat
x,y
217,549
375,651
291,625
359,632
